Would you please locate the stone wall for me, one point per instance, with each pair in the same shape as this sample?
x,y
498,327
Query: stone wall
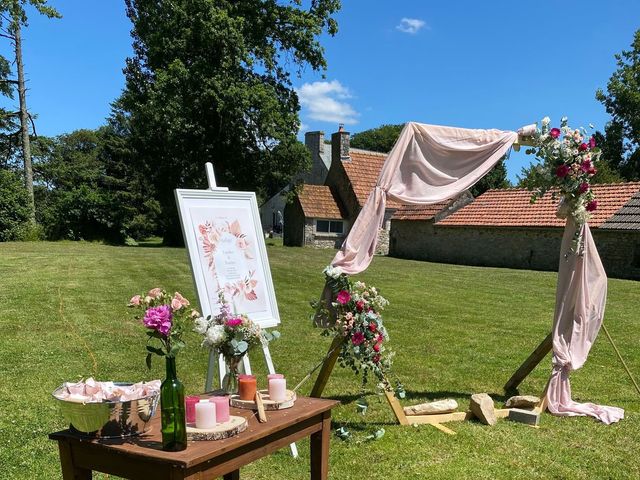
x,y
320,240
528,248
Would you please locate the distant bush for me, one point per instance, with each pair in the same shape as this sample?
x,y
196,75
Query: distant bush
x,y
14,208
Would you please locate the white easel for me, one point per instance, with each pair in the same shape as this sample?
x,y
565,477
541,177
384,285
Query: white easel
x,y
246,364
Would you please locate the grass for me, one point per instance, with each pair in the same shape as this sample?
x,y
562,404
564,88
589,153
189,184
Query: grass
x,y
457,330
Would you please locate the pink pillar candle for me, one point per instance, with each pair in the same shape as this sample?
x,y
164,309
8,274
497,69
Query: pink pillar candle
x,y
278,389
190,404
274,375
205,415
222,408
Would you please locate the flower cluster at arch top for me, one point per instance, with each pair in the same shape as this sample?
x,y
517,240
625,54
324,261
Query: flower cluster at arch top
x,y
568,159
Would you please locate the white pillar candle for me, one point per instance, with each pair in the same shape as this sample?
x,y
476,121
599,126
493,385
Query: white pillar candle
x,y
205,414
278,389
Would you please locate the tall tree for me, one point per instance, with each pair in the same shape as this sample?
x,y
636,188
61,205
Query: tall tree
x,y
621,142
13,17
211,81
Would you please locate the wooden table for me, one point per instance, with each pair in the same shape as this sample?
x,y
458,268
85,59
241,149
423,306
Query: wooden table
x,y
142,457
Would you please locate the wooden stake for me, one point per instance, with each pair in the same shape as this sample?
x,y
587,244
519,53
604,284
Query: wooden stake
x,y
606,332
529,364
444,429
396,407
327,367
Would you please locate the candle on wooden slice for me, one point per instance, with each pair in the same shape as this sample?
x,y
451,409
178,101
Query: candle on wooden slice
x,y
190,404
247,386
205,414
222,408
278,389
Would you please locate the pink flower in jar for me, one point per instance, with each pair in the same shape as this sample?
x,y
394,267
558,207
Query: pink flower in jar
x,y
135,301
592,206
554,132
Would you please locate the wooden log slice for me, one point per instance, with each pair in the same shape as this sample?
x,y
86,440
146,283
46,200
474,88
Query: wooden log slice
x,y
267,402
233,427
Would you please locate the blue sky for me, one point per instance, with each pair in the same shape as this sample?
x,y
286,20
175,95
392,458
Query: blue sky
x,y
498,64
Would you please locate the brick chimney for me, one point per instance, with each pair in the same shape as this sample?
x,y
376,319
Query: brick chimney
x,y
314,142
340,145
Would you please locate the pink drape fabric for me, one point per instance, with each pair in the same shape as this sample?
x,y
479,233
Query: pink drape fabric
x,y
430,164
580,302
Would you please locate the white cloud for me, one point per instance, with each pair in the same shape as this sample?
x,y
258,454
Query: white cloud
x,y
411,25
324,101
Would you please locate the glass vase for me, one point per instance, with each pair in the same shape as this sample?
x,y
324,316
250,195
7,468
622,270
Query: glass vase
x,y
172,410
230,380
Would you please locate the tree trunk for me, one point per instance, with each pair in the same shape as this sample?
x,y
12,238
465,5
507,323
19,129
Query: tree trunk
x,y
24,122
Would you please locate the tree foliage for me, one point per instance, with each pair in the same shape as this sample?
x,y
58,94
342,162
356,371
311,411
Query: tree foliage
x,y
621,141
14,207
211,81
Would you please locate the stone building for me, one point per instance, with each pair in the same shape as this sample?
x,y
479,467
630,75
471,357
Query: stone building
x,y
501,228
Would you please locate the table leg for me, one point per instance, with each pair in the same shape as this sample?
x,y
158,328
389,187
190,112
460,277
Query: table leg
x,y
235,475
320,449
69,470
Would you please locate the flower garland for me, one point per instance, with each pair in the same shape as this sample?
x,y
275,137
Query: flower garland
x,y
357,308
568,159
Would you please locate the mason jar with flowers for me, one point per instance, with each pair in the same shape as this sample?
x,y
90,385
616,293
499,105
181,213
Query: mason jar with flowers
x,y
164,318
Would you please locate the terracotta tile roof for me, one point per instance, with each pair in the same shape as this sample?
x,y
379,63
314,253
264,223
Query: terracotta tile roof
x,y
363,171
512,208
419,212
627,218
318,202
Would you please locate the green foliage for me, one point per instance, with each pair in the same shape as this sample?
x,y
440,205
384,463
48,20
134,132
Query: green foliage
x,y
621,145
379,139
211,81
14,207
496,178
86,189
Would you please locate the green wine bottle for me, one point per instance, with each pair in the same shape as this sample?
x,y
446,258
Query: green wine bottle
x,y
172,410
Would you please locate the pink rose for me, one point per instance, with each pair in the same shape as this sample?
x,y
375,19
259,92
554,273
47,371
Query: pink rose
x,y
592,206
154,293
359,305
592,142
178,301
376,347
343,297
562,171
583,188
583,147
586,166
135,301
357,338
554,133
372,327
233,322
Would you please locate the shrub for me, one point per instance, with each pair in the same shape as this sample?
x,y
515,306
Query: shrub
x,y
14,208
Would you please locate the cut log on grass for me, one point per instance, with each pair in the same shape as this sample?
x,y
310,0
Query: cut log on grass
x,y
430,408
482,407
522,401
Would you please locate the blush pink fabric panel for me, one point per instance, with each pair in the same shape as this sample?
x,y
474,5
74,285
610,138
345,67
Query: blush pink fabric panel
x,y
428,164
581,295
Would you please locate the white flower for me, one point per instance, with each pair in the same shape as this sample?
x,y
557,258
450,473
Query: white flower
x,y
333,272
200,325
546,121
216,335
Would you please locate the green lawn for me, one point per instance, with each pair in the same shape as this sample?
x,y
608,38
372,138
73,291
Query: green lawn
x,y
456,330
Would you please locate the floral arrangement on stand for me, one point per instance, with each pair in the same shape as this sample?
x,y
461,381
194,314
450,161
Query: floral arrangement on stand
x,y
164,318
568,158
232,335
358,320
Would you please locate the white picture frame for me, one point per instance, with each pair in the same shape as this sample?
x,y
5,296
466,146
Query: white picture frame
x,y
225,243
